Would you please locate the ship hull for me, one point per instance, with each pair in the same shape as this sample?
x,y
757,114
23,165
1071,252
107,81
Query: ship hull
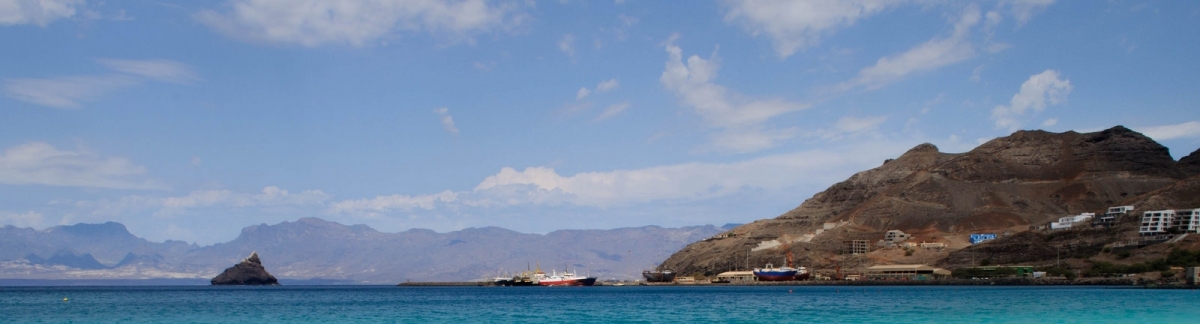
x,y
775,275
569,282
659,276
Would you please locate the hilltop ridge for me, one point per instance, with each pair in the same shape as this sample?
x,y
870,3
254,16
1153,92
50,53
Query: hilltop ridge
x,y
1005,185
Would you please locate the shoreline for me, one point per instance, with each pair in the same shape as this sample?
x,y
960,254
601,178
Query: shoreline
x,y
1109,282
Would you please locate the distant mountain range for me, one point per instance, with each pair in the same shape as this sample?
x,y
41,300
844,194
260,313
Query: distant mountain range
x,y
312,248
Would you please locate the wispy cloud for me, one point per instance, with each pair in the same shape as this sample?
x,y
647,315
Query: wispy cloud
x,y
1170,132
1040,90
158,70
67,92
1023,10
447,121
849,126
930,55
796,25
611,111
603,86
389,203
39,163
358,22
26,219
41,12
567,45
740,120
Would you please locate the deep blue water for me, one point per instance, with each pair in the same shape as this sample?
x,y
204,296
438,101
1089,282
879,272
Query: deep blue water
x,y
389,304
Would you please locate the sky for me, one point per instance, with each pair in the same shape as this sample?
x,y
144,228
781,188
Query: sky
x,y
189,120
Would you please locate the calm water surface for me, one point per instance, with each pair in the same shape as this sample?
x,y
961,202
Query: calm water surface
x,y
387,304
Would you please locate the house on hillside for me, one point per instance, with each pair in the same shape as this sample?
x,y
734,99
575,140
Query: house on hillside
x,y
1156,222
933,245
1187,220
1069,221
896,236
1110,217
982,237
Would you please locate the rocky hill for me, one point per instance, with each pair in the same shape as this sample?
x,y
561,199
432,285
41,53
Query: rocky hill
x,y
312,248
1004,186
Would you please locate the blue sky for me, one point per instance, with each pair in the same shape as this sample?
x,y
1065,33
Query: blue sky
x,y
189,120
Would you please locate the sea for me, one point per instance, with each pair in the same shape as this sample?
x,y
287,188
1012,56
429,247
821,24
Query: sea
x,y
608,304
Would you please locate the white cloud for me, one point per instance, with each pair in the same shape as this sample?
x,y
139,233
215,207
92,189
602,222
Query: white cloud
x,y
270,196
37,12
932,54
26,219
159,70
447,121
976,73
1170,132
68,92
796,25
484,66
1050,122
612,110
1023,10
689,181
567,45
64,92
357,22
605,86
39,163
389,203
1040,90
739,119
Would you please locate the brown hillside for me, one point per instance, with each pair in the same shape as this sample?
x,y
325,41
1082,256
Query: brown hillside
x,y
1002,186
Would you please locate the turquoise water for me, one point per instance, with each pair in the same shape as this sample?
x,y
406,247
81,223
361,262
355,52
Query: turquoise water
x,y
388,304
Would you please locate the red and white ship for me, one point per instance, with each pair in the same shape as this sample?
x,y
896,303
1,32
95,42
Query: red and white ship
x,y
565,279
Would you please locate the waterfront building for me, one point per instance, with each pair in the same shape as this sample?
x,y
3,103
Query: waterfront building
x,y
1156,222
905,272
991,271
737,276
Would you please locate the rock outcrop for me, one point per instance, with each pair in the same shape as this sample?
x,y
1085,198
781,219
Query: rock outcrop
x,y
1003,186
249,272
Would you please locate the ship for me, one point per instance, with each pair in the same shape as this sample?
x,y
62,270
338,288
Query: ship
x,y
525,278
659,275
566,279
784,273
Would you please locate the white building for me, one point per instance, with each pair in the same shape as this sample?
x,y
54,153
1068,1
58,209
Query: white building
x,y
1156,222
1187,220
1119,210
896,236
1067,222
1110,217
